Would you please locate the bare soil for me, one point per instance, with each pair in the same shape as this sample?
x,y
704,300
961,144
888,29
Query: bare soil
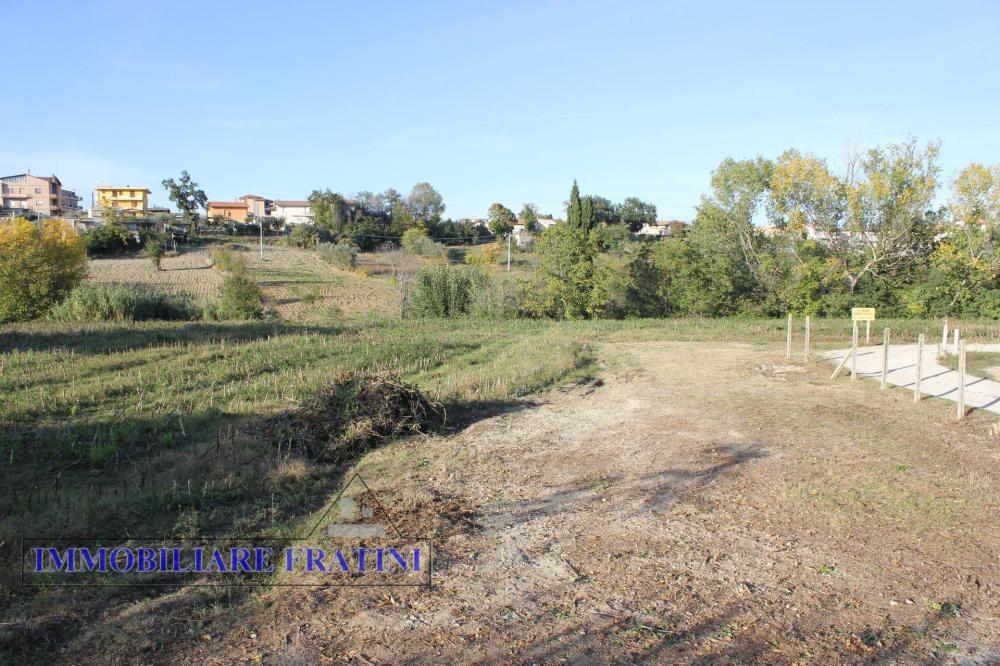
x,y
701,503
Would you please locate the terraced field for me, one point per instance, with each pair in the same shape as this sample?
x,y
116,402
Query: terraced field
x,y
300,286
191,272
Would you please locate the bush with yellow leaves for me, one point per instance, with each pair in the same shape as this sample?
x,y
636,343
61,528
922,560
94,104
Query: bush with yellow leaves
x,y
39,264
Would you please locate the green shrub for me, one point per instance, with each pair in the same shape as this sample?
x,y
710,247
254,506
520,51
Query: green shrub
x,y
342,255
240,298
156,247
441,290
307,235
115,303
229,261
416,241
612,237
108,238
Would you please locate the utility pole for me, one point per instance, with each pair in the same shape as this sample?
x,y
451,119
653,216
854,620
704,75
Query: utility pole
x,y
260,223
508,251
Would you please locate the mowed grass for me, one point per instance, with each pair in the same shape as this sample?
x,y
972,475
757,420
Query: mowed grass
x,y
116,421
160,428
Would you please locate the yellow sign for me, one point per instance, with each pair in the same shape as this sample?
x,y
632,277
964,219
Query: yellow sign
x,y
863,314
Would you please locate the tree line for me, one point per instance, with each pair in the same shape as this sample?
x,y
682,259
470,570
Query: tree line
x,y
371,219
790,235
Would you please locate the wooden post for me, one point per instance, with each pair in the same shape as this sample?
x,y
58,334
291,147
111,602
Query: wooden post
x,y
957,337
788,343
843,362
805,355
961,381
885,358
920,367
854,352
868,332
944,338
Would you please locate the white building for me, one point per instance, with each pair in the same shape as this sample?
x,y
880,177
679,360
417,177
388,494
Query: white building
x,y
664,229
522,236
293,212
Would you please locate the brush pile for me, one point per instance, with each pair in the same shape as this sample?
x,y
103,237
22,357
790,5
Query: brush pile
x,y
354,413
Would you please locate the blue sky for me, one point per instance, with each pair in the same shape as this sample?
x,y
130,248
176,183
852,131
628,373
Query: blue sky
x,y
504,101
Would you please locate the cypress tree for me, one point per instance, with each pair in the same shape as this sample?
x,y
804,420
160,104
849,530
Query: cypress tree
x,y
573,212
586,222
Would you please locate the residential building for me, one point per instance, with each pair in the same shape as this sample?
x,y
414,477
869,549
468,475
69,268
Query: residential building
x,y
68,200
230,210
546,222
293,212
664,229
522,236
28,194
258,206
130,200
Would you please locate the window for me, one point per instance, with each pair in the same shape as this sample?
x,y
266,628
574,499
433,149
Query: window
x,y
38,190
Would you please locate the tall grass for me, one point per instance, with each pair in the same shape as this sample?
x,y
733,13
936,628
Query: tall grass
x,y
229,261
119,303
343,255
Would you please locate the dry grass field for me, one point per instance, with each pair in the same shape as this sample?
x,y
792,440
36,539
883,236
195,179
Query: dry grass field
x,y
191,272
297,284
300,286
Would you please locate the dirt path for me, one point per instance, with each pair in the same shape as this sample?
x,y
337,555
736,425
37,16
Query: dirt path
x,y
707,507
937,380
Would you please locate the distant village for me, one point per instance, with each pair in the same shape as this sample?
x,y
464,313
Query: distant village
x,y
34,197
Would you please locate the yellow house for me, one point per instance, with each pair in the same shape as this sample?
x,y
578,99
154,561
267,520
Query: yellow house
x,y
128,199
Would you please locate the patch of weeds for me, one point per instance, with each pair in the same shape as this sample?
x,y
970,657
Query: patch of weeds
x,y
638,626
825,569
188,524
99,454
870,638
312,296
948,610
509,615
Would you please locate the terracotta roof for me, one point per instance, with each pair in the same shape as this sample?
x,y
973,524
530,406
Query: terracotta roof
x,y
292,204
227,204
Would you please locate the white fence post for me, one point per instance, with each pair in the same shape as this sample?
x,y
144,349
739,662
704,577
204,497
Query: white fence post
x,y
961,380
805,356
788,343
854,352
885,358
